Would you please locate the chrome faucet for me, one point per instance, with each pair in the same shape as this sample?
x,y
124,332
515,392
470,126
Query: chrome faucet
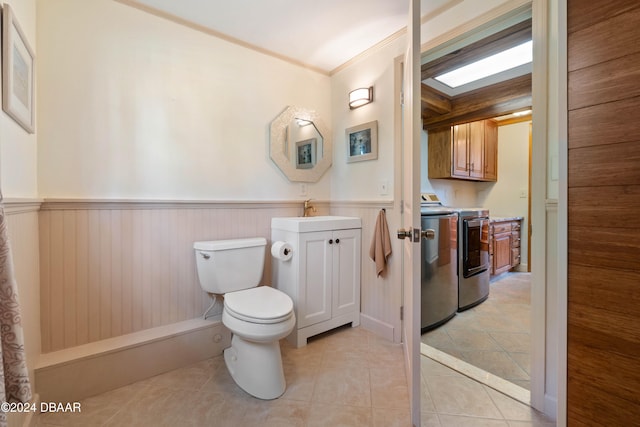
x,y
308,207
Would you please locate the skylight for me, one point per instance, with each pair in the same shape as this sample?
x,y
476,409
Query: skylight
x,y
494,64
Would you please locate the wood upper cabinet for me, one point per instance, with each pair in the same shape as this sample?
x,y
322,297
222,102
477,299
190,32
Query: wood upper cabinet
x,y
490,152
459,151
466,151
475,148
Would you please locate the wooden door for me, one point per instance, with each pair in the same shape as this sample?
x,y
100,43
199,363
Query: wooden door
x,y
460,153
501,252
490,151
476,149
603,325
440,152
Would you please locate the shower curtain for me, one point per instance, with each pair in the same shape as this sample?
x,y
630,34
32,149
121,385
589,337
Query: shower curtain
x,y
14,377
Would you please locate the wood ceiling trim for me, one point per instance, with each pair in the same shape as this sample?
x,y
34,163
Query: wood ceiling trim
x,y
435,101
488,102
495,43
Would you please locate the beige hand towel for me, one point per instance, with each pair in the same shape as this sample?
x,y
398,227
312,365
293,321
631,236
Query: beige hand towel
x,y
380,244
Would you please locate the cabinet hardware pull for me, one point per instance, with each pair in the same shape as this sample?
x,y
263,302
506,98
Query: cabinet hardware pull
x,y
337,241
331,241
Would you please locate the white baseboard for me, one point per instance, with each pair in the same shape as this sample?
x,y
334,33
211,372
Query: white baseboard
x,y
382,329
76,373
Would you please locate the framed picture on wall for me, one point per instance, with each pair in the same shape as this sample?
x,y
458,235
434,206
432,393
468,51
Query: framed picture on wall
x,y
17,72
362,142
306,153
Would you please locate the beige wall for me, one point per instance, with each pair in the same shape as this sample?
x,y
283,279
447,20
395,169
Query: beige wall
x,y
18,181
504,198
133,106
18,149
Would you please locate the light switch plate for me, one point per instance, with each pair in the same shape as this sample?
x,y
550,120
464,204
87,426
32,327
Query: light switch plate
x,y
383,187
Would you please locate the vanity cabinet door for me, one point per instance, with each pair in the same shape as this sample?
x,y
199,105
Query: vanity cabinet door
x,y
315,271
346,272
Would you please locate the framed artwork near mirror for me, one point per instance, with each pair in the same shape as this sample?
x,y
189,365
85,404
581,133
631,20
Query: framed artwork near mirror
x,y
306,153
362,142
17,72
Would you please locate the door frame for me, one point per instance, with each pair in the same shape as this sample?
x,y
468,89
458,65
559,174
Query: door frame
x,y
542,278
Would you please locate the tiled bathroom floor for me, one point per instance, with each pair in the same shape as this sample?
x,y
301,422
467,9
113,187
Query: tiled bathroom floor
x,y
496,335
348,377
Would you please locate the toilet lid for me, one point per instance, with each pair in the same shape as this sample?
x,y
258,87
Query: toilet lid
x,y
259,305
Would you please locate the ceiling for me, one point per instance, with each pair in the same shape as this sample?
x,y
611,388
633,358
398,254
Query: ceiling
x,y
497,95
320,34
325,35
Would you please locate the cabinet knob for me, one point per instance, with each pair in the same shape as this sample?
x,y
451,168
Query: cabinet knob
x,y
331,241
337,241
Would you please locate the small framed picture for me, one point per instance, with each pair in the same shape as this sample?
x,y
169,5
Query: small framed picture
x,y
362,142
306,153
17,72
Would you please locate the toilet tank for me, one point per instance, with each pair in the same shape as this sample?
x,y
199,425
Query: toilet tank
x,y
230,265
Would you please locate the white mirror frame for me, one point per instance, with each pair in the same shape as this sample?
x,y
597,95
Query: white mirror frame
x,y
277,139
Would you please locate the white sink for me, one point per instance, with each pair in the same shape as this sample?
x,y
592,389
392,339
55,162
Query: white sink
x,y
300,224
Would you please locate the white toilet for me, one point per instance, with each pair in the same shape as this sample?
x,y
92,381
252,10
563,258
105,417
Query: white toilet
x,y
258,317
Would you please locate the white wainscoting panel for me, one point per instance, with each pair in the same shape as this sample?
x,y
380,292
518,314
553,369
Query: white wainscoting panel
x,y
380,297
110,268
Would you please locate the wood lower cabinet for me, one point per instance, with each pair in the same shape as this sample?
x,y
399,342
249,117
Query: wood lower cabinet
x,y
466,151
504,244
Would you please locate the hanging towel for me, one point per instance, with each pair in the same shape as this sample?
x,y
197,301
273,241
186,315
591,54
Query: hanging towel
x,y
14,377
380,244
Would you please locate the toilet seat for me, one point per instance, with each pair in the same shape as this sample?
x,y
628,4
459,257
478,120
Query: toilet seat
x,y
263,305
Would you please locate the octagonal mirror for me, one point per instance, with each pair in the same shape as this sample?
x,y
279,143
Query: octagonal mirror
x,y
300,144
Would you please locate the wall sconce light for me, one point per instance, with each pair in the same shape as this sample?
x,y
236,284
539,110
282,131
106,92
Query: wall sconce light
x,y
360,97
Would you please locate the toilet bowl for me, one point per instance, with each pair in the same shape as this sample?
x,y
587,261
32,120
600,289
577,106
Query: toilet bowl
x,y
254,359
258,317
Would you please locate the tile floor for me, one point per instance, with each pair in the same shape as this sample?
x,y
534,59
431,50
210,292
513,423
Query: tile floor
x,y
348,377
495,335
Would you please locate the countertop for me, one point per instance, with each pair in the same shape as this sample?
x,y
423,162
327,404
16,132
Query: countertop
x,y
505,218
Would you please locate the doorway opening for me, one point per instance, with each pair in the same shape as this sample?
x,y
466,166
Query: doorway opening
x,y
493,98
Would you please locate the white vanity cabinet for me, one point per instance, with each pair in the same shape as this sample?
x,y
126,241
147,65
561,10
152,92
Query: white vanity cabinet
x,y
323,275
